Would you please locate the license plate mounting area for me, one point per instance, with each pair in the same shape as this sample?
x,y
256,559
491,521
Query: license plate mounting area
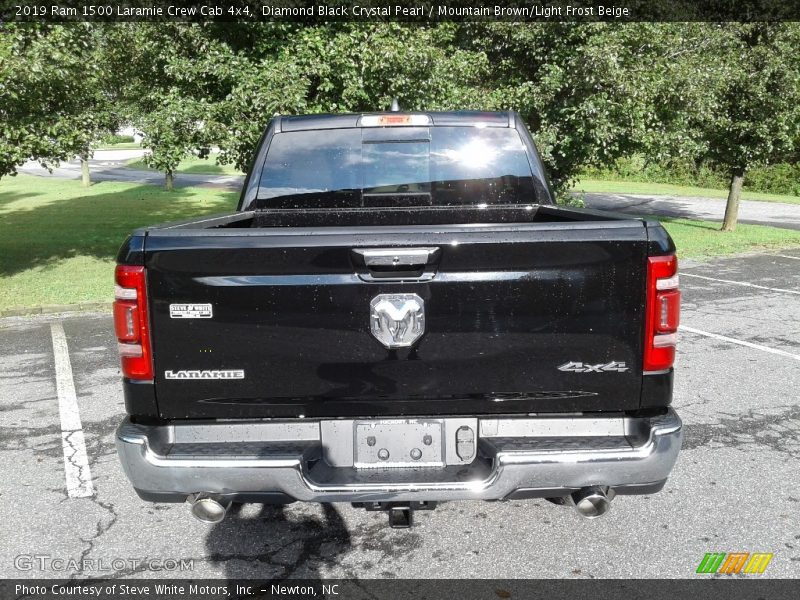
x,y
398,443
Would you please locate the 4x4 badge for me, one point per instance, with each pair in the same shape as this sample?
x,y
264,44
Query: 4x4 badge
x,y
580,367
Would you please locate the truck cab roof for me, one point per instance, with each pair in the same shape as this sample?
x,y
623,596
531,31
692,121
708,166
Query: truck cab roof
x,y
460,118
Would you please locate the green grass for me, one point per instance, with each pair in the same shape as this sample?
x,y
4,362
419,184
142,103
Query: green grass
x,y
699,239
637,187
58,240
204,166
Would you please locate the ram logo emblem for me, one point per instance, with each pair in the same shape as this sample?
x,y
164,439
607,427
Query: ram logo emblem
x,y
397,320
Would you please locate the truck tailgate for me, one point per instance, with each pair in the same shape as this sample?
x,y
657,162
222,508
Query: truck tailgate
x,y
518,318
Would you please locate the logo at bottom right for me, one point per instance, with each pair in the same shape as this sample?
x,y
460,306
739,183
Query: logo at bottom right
x,y
731,563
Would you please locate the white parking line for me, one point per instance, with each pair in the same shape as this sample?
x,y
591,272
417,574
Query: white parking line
x,y
76,463
731,340
752,285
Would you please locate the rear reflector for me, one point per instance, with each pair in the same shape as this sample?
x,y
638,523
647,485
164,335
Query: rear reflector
x,y
129,350
121,293
662,312
131,324
665,340
395,120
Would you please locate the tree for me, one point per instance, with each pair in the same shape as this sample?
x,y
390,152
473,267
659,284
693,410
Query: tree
x,y
567,82
98,114
171,77
755,119
590,92
343,67
172,131
52,103
728,94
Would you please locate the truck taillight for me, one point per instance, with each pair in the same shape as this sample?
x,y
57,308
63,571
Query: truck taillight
x,y
131,324
662,312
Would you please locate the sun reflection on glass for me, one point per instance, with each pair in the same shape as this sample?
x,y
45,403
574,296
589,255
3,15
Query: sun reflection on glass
x,y
477,154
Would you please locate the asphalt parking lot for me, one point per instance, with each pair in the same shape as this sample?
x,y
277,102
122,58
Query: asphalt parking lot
x,y
736,486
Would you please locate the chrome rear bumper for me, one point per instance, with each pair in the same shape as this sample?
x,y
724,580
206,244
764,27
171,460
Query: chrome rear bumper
x,y
306,460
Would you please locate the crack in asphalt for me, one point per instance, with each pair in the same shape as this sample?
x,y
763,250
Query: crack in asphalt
x,y
779,432
100,531
84,472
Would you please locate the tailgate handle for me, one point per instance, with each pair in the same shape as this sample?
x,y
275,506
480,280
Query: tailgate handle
x,y
398,258
396,263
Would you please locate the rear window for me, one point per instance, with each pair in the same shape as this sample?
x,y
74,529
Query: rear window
x,y
395,166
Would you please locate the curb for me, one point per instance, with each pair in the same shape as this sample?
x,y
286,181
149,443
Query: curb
x,y
51,309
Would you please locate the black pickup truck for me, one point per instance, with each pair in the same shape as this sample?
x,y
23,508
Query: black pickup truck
x,y
398,314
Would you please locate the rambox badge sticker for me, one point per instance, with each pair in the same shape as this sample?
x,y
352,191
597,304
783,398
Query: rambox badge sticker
x,y
580,367
190,311
206,374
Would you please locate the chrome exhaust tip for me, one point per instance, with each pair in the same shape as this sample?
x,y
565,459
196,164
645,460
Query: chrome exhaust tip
x,y
208,509
592,502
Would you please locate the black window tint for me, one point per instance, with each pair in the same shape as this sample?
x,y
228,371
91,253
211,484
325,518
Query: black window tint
x,y
307,162
393,166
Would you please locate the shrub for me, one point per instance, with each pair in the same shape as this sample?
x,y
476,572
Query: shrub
x,y
118,139
782,178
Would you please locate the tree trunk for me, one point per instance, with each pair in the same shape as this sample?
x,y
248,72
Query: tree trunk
x,y
168,181
86,179
732,207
